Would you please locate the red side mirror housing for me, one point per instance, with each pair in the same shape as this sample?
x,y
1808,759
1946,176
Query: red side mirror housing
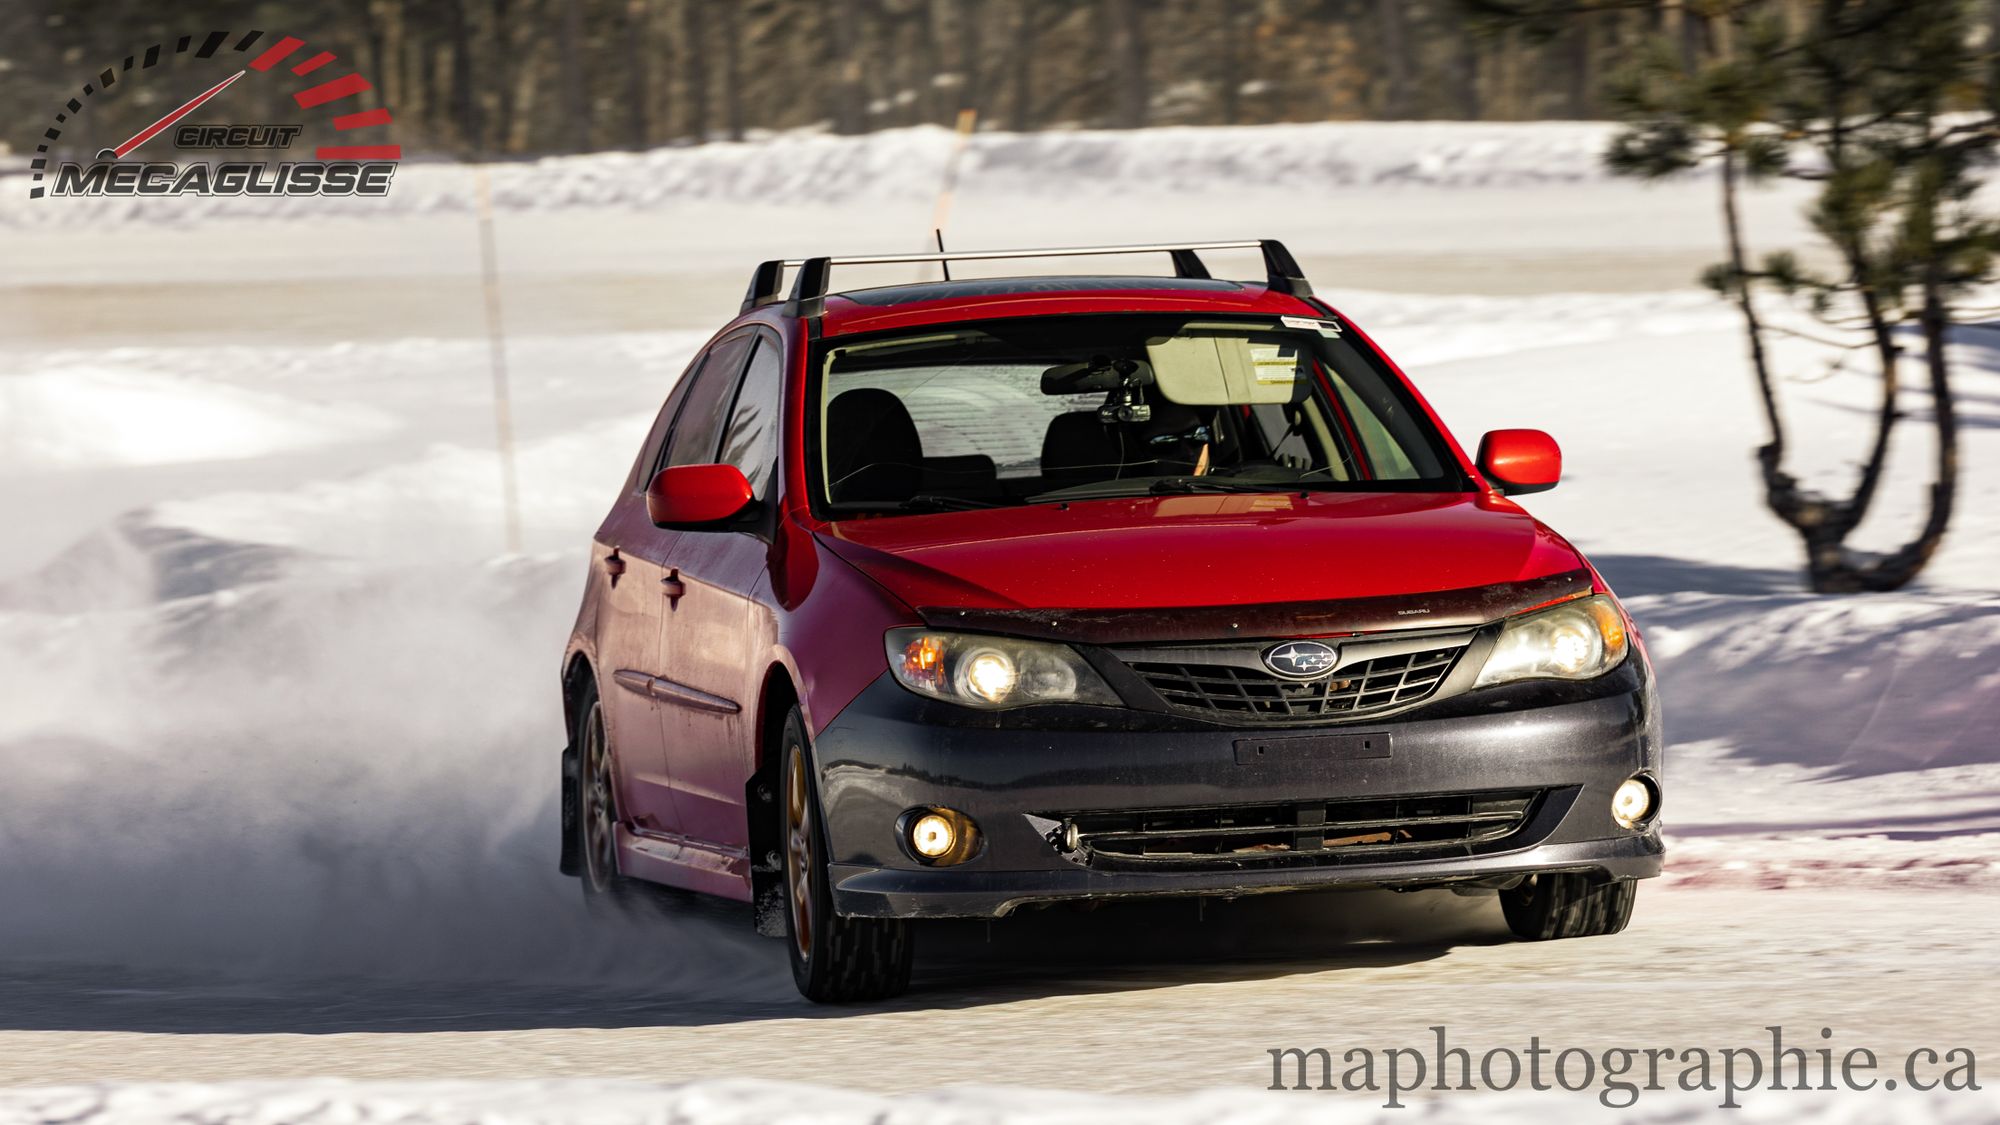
x,y
691,495
1519,461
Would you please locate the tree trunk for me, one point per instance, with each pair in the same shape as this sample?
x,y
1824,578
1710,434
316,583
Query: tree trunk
x,y
464,105
424,58
1393,35
1465,76
1022,117
569,47
1582,67
843,34
1773,451
732,71
1132,97
378,52
1898,569
971,78
638,92
1511,102
694,65
928,103
1229,66
502,76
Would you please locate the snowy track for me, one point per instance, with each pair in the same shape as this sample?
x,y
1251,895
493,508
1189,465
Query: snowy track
x,y
1146,1001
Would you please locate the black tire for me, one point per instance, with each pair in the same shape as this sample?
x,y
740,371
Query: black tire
x,y
604,889
835,960
1549,907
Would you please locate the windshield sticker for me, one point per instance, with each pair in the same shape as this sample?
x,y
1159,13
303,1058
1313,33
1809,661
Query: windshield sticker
x,y
1274,363
1323,327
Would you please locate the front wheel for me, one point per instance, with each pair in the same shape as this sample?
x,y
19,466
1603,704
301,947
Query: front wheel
x,y
1571,905
835,960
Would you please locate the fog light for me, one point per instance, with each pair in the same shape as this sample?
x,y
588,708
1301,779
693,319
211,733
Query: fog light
x,y
1632,803
932,836
938,837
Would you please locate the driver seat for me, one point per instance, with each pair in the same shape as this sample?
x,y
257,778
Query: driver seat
x,y
1078,449
873,451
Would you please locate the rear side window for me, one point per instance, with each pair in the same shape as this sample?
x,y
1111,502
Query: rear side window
x,y
698,430
751,440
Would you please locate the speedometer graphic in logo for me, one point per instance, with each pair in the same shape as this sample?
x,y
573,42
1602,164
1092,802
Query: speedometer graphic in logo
x,y
250,114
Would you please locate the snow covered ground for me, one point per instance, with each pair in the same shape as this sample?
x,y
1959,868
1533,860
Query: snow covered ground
x,y
905,163
274,706
771,1103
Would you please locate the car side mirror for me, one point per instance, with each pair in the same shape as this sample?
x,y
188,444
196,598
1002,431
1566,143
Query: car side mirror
x,y
693,495
1520,461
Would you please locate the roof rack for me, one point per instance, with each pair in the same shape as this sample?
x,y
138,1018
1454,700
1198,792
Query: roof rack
x,y
808,298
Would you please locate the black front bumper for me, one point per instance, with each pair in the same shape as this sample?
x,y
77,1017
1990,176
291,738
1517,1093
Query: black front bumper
x,y
1020,773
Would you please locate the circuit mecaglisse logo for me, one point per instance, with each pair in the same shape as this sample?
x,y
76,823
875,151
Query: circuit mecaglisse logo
x,y
345,143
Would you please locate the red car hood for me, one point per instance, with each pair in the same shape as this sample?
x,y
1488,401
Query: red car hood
x,y
1169,552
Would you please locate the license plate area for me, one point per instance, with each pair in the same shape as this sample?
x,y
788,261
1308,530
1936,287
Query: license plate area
x,y
1342,747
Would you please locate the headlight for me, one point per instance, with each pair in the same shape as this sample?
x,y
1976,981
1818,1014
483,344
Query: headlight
x,y
1572,641
992,672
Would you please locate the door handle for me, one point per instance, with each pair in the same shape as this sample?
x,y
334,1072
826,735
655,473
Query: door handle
x,y
672,586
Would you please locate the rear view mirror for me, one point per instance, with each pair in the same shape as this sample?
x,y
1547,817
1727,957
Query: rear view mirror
x,y
692,495
1520,461
1100,373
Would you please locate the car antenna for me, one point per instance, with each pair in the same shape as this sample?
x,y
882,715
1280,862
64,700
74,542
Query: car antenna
x,y
943,262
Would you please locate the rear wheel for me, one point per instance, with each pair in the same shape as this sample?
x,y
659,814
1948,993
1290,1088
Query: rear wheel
x,y
835,960
597,812
1569,905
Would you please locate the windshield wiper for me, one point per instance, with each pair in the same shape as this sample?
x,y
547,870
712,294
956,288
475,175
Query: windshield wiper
x,y
1159,486
921,502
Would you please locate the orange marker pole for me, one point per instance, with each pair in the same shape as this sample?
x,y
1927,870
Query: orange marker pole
x,y
967,118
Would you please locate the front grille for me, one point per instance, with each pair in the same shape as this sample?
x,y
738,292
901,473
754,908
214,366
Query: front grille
x,y
1217,690
1298,833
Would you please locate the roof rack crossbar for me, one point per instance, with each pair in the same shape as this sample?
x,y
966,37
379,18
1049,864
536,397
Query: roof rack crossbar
x,y
1040,252
808,298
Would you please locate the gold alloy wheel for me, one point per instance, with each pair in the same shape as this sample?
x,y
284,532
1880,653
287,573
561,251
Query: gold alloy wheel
x,y
600,841
798,848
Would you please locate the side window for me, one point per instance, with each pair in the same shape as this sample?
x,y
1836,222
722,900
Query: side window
x,y
1386,434
654,453
751,441
699,427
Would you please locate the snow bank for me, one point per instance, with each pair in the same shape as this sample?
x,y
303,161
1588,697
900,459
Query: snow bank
x,y
746,1102
909,163
100,416
441,504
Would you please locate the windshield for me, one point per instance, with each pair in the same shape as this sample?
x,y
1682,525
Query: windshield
x,y
1036,411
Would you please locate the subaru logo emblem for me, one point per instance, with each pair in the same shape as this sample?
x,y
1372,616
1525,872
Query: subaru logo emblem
x,y
1302,660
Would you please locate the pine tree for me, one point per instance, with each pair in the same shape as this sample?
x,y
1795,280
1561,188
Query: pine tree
x,y
1888,105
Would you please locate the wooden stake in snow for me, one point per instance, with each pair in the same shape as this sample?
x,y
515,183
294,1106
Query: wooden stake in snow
x,y
967,118
503,406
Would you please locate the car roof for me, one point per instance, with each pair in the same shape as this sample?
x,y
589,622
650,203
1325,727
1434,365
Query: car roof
x,y
1191,288
906,306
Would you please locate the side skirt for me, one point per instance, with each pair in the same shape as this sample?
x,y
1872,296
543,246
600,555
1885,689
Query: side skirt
x,y
679,861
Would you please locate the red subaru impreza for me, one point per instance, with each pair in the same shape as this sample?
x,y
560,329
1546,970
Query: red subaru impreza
x,y
947,599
